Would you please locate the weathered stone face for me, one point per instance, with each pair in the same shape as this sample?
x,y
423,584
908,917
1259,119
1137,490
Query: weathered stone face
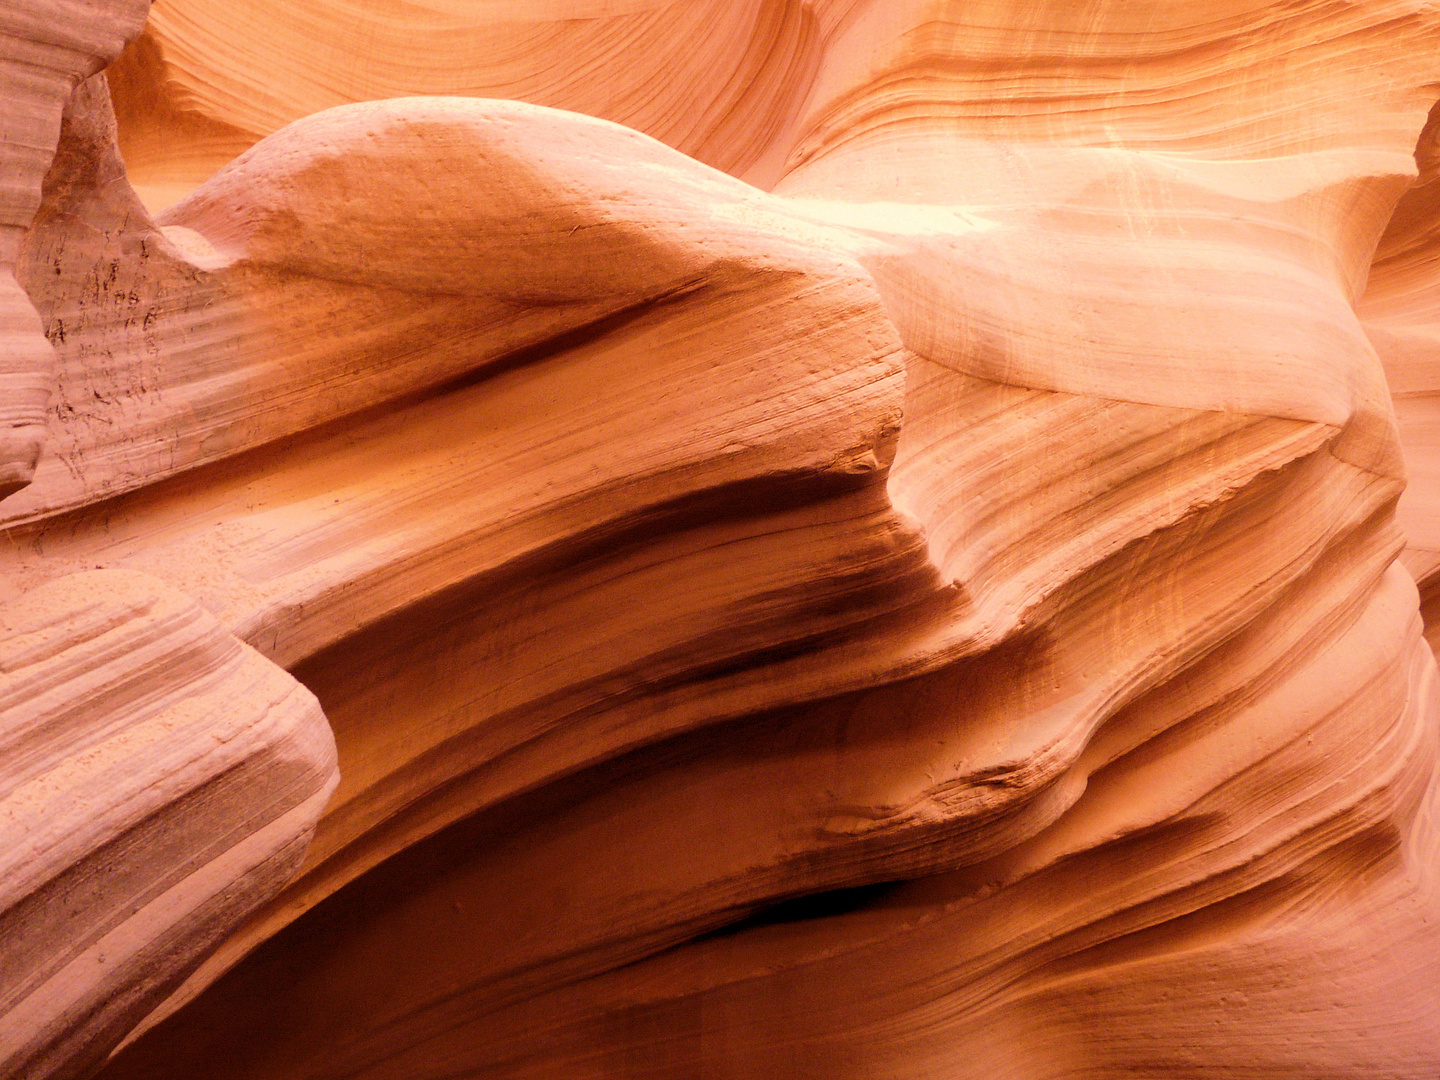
x,y
873,553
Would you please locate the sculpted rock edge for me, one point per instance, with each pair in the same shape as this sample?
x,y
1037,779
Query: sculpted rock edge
x,y
876,554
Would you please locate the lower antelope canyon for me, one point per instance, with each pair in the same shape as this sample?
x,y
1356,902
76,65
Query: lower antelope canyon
x,y
719,540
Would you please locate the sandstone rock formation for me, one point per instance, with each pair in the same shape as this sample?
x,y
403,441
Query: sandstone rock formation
x,y
873,553
45,47
161,780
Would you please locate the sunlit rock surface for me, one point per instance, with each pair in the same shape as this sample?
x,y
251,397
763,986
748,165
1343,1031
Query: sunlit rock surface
x,y
834,539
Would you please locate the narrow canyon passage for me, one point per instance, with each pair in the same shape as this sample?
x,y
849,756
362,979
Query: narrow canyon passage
x,y
624,538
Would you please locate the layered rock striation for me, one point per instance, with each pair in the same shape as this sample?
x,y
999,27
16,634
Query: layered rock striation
x,y
875,552
161,781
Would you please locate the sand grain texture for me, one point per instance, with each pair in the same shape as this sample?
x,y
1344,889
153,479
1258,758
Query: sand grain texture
x,y
833,539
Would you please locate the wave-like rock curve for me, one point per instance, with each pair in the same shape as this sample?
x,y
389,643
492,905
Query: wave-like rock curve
x,y
937,616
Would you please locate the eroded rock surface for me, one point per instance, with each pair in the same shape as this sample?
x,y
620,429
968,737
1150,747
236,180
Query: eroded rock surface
x,y
161,780
46,46
924,601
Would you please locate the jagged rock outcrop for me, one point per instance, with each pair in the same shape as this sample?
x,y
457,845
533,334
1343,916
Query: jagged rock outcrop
x,y
937,616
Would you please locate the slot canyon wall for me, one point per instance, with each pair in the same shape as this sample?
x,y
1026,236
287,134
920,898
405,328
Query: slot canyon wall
x,y
726,539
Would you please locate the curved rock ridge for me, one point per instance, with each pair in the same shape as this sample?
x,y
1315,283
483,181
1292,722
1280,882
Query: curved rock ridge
x,y
718,79
161,780
1401,317
46,47
1218,903
1231,80
939,617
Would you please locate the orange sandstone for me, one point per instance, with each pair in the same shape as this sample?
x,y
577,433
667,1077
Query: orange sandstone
x,y
834,539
